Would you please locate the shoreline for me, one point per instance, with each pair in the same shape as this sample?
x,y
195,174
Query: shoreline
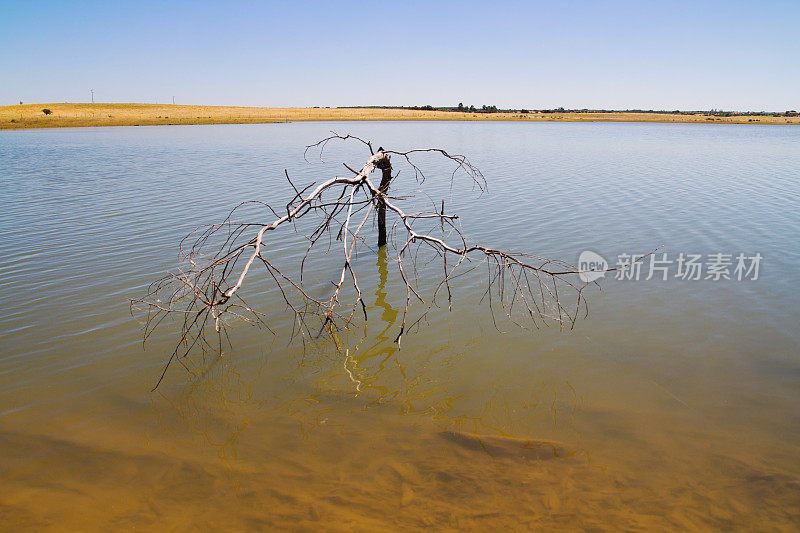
x,y
67,115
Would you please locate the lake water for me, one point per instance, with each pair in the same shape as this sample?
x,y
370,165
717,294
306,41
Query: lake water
x,y
677,401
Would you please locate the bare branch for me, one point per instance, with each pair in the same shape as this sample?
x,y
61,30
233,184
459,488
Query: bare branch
x,y
221,258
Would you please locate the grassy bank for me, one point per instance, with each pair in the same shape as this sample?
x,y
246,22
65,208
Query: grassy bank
x,y
81,115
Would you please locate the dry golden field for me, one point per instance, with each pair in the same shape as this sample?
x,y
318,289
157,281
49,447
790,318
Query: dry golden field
x,y
80,115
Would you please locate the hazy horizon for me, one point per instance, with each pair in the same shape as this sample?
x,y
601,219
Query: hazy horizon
x,y
583,54
417,105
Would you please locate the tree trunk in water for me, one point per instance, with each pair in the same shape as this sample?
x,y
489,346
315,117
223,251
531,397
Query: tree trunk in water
x,y
386,167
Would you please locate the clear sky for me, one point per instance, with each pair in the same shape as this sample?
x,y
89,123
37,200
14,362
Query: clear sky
x,y
585,53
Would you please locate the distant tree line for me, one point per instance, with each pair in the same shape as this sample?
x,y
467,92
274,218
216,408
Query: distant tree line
x,y
461,108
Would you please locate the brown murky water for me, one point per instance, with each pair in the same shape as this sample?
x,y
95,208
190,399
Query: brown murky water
x,y
674,406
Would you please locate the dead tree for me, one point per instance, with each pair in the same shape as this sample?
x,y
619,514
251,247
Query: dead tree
x,y
385,165
207,295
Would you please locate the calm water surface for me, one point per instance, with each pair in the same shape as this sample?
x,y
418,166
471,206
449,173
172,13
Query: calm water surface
x,y
679,401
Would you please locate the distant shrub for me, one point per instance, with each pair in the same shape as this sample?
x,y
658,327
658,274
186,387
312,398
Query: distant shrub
x,y
524,111
13,120
46,111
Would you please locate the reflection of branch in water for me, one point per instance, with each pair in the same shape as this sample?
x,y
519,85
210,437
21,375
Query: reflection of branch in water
x,y
389,315
354,379
419,389
347,372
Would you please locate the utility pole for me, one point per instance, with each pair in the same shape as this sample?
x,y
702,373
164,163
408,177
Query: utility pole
x,y
92,95
173,100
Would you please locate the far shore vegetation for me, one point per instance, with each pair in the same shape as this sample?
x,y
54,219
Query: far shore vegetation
x,y
51,115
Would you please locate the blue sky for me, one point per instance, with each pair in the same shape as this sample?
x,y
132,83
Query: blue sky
x,y
585,53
